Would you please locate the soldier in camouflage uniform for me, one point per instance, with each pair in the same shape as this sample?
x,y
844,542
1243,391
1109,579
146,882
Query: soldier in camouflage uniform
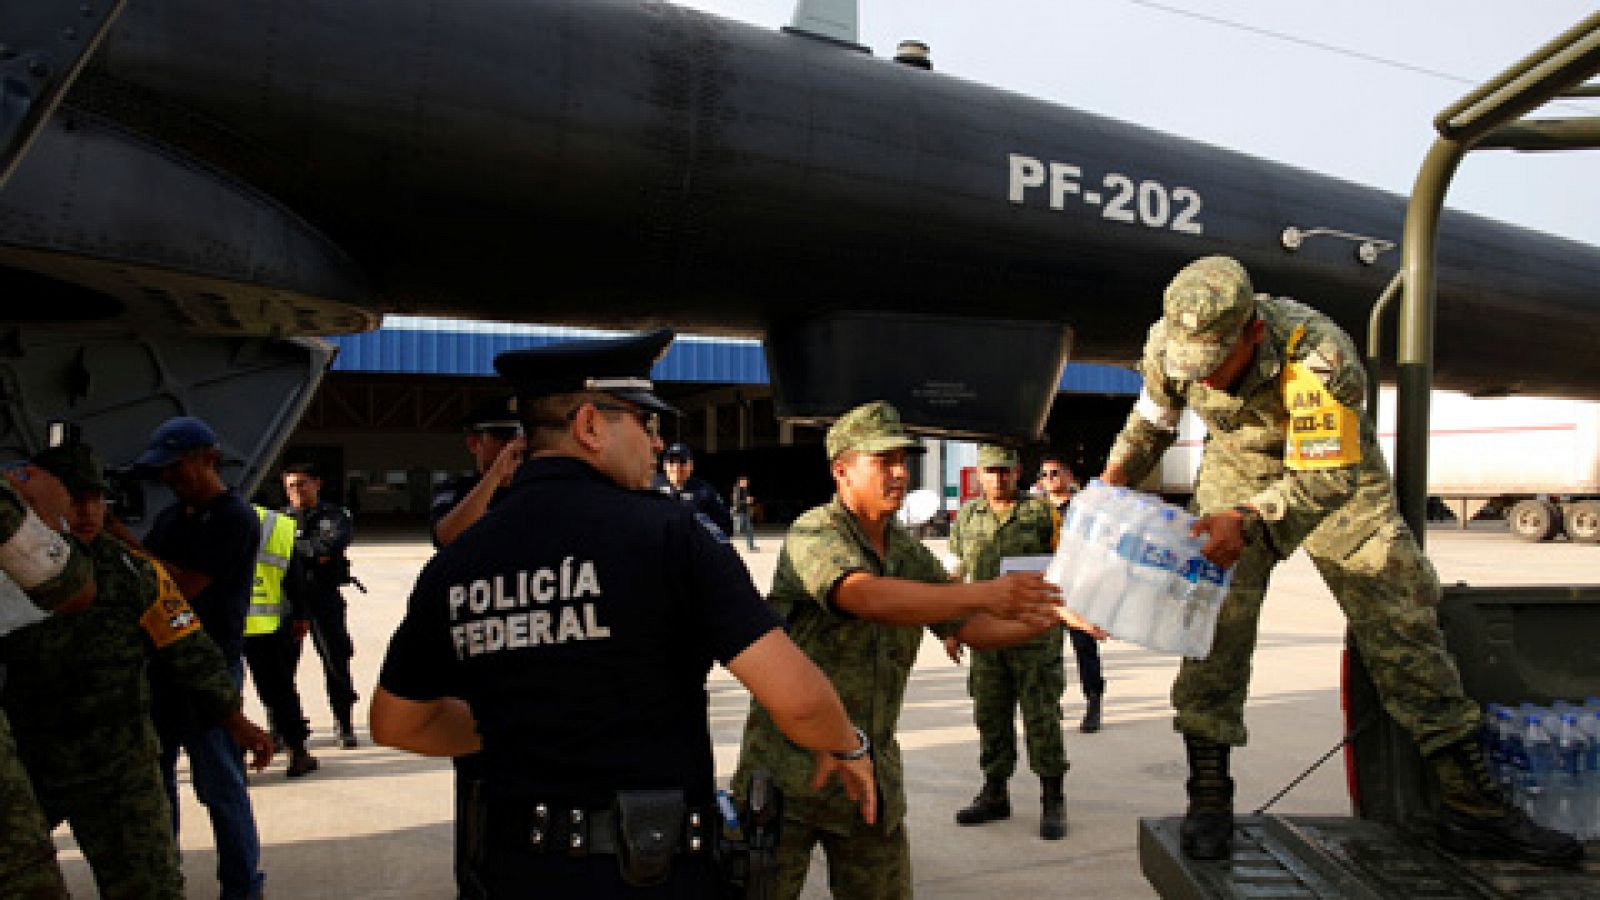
x,y
998,524
856,590
1292,460
40,571
79,699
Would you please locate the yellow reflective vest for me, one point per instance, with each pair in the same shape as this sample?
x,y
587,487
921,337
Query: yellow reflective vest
x,y
272,563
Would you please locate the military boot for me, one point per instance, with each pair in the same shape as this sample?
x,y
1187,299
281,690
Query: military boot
x,y
1053,817
992,803
1091,716
1207,831
1477,820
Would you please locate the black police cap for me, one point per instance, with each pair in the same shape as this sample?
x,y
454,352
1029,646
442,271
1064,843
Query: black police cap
x,y
616,366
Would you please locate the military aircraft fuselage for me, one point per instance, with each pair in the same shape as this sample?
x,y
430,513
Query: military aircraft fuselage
x,y
613,162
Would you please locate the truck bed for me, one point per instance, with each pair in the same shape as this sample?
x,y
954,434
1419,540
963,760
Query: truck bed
x,y
1344,857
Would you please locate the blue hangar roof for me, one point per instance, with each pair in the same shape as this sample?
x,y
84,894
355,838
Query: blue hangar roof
x,y
428,346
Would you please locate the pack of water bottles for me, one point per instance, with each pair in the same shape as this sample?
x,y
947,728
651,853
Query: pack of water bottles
x,y
1126,562
1547,760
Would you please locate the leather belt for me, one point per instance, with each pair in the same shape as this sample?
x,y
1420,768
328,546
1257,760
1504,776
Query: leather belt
x,y
584,832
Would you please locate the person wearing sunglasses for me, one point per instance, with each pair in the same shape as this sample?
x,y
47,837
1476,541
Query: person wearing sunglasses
x,y
567,637
494,438
1056,486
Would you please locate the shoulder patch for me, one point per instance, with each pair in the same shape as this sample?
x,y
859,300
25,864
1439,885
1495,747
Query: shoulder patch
x,y
168,618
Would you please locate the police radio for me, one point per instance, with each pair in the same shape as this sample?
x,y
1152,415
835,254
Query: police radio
x,y
747,853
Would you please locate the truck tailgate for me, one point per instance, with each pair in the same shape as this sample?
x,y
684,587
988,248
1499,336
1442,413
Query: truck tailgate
x,y
1344,857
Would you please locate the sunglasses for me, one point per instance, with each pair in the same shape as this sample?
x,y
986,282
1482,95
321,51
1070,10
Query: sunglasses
x,y
649,421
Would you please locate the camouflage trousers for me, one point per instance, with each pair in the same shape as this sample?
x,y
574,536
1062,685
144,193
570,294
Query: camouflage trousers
x,y
865,862
1033,676
124,827
1389,593
28,868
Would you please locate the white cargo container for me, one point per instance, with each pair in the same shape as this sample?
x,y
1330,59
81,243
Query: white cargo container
x,y
1536,458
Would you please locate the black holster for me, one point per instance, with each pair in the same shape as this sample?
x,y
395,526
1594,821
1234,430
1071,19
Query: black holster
x,y
747,856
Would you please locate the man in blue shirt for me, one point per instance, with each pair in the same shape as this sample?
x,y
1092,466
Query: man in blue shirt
x,y
207,540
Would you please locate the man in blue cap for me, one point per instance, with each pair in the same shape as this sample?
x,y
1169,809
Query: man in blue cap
x,y
576,624
207,539
677,480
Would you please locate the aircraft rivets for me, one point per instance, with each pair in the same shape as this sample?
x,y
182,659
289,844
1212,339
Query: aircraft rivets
x,y
69,33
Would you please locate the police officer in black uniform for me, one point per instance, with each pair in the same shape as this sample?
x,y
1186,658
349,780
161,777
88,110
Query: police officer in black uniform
x,y
322,536
494,438
678,481
569,635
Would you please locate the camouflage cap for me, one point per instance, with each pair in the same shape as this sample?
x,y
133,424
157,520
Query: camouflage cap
x,y
78,467
870,428
1205,309
997,456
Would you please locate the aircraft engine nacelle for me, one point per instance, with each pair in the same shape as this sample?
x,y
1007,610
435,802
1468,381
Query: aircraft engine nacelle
x,y
949,376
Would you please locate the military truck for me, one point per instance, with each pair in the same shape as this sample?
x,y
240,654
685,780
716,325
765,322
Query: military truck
x,y
1512,644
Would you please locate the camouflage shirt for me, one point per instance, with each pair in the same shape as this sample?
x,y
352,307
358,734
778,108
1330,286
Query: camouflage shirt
x,y
1248,432
981,537
867,662
77,693
65,584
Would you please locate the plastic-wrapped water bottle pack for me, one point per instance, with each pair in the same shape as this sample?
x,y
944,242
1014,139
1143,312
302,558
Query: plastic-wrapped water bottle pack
x,y
1547,759
1125,562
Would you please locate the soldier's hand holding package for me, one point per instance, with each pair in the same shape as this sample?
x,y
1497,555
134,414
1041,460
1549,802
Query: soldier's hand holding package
x,y
1226,533
1027,598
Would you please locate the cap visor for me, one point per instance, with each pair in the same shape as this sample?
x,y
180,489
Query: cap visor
x,y
156,458
647,400
885,444
1193,360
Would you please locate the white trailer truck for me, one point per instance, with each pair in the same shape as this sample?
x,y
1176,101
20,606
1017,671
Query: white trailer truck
x,y
1535,459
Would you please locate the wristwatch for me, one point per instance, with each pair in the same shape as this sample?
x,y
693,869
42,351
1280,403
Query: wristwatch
x,y
857,753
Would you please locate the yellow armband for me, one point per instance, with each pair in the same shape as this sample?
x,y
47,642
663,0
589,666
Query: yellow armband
x,y
1323,433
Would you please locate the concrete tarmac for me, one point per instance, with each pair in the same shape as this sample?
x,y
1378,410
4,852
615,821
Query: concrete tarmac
x,y
374,822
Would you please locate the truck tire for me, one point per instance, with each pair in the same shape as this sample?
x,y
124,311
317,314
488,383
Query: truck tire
x,y
1534,520
1583,521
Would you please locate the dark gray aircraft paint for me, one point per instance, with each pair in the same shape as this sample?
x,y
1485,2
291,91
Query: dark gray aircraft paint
x,y
269,167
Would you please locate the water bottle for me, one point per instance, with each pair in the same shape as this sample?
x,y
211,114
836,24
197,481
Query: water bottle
x,y
1070,545
1124,543
1516,770
1176,606
1589,782
1540,778
1204,603
1152,563
1098,562
1566,801
1075,554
